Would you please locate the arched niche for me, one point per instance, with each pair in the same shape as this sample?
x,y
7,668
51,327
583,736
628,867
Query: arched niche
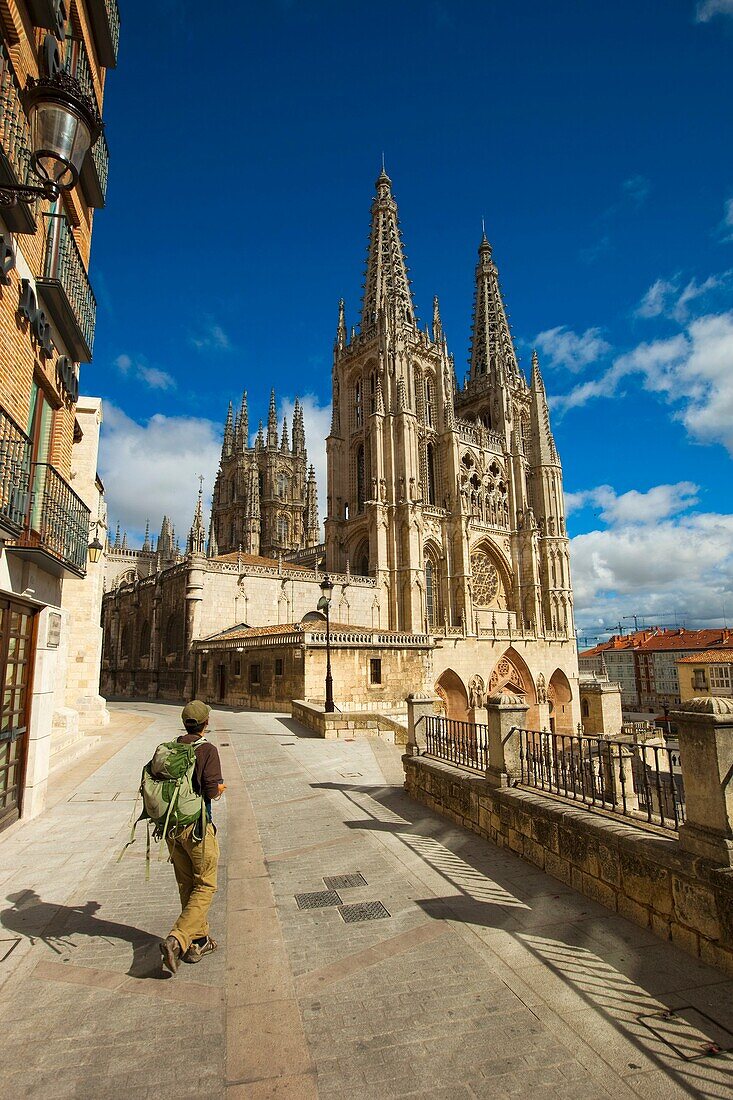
x,y
451,689
511,675
560,696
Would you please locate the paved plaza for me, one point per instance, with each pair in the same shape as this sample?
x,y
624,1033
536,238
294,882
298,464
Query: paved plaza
x,y
476,976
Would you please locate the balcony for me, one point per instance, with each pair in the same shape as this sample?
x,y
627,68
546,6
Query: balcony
x,y
15,146
64,287
104,17
56,526
15,464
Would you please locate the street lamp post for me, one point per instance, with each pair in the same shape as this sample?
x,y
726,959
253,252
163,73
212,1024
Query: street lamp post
x,y
324,605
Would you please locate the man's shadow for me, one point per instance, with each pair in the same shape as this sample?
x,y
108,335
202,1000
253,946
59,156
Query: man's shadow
x,y
56,925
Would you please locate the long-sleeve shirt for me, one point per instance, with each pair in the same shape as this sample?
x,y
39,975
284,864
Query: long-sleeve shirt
x,y
207,771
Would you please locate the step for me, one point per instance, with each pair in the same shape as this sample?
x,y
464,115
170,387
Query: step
x,y
73,751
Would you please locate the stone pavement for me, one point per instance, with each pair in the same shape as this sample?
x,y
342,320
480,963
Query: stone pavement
x,y
487,978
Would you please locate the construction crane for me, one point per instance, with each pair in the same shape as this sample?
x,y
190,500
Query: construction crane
x,y
643,615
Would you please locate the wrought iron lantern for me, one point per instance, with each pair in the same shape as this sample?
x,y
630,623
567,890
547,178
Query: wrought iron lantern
x,y
94,550
64,124
324,605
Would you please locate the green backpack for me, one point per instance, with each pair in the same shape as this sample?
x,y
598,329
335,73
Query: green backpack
x,y
168,795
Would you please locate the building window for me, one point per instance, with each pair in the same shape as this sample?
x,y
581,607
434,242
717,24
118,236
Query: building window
x,y
585,708
254,675
720,677
238,667
360,492
430,594
428,402
282,486
145,639
375,670
358,405
283,530
204,667
698,678
278,666
431,474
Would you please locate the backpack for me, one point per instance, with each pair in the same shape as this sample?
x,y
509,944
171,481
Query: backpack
x,y
168,796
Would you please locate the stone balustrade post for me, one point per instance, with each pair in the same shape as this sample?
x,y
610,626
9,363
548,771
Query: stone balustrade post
x,y
705,730
506,715
420,704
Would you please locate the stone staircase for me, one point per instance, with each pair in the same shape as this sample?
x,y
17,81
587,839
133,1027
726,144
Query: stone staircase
x,y
68,742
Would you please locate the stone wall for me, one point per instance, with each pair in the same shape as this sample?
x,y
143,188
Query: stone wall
x,y
647,878
349,724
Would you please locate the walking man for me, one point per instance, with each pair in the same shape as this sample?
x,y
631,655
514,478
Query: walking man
x,y
195,858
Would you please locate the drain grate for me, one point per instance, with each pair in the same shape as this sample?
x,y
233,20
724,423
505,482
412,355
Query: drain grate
x,y
318,900
690,1033
344,882
366,910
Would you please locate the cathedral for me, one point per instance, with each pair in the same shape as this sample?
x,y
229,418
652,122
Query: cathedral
x,y
445,534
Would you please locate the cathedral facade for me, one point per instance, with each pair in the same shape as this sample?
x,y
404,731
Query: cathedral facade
x,y
445,520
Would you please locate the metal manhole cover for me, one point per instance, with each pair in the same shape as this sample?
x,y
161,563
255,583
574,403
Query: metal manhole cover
x,y
690,1033
344,882
367,910
318,900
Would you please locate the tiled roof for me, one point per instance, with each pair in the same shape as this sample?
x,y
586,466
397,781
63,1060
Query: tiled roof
x,y
722,656
244,631
683,639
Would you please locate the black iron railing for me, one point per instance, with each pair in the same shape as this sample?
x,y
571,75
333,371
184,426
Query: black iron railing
x,y
105,21
100,159
15,145
15,455
633,779
63,264
58,522
457,742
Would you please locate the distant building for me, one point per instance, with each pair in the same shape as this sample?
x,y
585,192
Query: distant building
x,y
646,664
125,565
707,673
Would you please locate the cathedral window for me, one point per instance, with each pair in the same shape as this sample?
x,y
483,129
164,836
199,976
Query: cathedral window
x,y
358,405
585,708
485,578
431,474
360,479
283,530
430,593
375,670
125,641
428,402
282,486
373,392
145,639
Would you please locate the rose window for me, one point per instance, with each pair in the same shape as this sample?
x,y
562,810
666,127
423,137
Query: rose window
x,y
485,580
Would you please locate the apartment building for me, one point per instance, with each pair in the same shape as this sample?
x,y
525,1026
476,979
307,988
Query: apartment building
x,y
54,57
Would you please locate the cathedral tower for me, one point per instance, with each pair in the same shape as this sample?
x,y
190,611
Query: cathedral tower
x,y
263,502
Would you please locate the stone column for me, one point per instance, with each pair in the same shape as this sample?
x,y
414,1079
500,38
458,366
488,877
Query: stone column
x,y
194,596
506,714
706,756
420,704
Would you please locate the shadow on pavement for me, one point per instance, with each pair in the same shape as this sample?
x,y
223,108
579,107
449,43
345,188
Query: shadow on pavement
x,y
570,951
55,925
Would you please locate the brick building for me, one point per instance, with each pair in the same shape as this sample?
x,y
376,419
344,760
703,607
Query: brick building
x,y
51,500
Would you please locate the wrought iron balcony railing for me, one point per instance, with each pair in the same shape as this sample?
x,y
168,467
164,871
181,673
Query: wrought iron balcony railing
x,y
57,523
66,291
95,170
15,144
15,456
76,63
104,16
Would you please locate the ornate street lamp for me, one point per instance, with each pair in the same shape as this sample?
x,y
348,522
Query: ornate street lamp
x,y
64,124
94,550
323,605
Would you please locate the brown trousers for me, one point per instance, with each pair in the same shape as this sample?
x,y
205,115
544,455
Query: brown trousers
x,y
195,865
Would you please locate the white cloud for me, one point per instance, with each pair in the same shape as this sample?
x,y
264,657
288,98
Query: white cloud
x,y
667,297
212,338
152,377
727,223
692,371
151,469
317,422
572,350
707,9
655,558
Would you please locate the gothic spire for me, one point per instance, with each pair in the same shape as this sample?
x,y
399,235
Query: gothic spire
x,y
228,443
312,526
146,543
212,549
117,542
386,281
196,543
546,451
243,441
437,323
298,429
272,422
492,349
260,441
284,442
341,327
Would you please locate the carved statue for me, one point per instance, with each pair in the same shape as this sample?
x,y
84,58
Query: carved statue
x,y
541,689
476,692
382,489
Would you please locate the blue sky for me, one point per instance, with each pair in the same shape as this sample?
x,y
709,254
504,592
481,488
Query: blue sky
x,y
595,139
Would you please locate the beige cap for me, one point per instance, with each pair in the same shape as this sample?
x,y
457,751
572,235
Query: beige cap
x,y
195,713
